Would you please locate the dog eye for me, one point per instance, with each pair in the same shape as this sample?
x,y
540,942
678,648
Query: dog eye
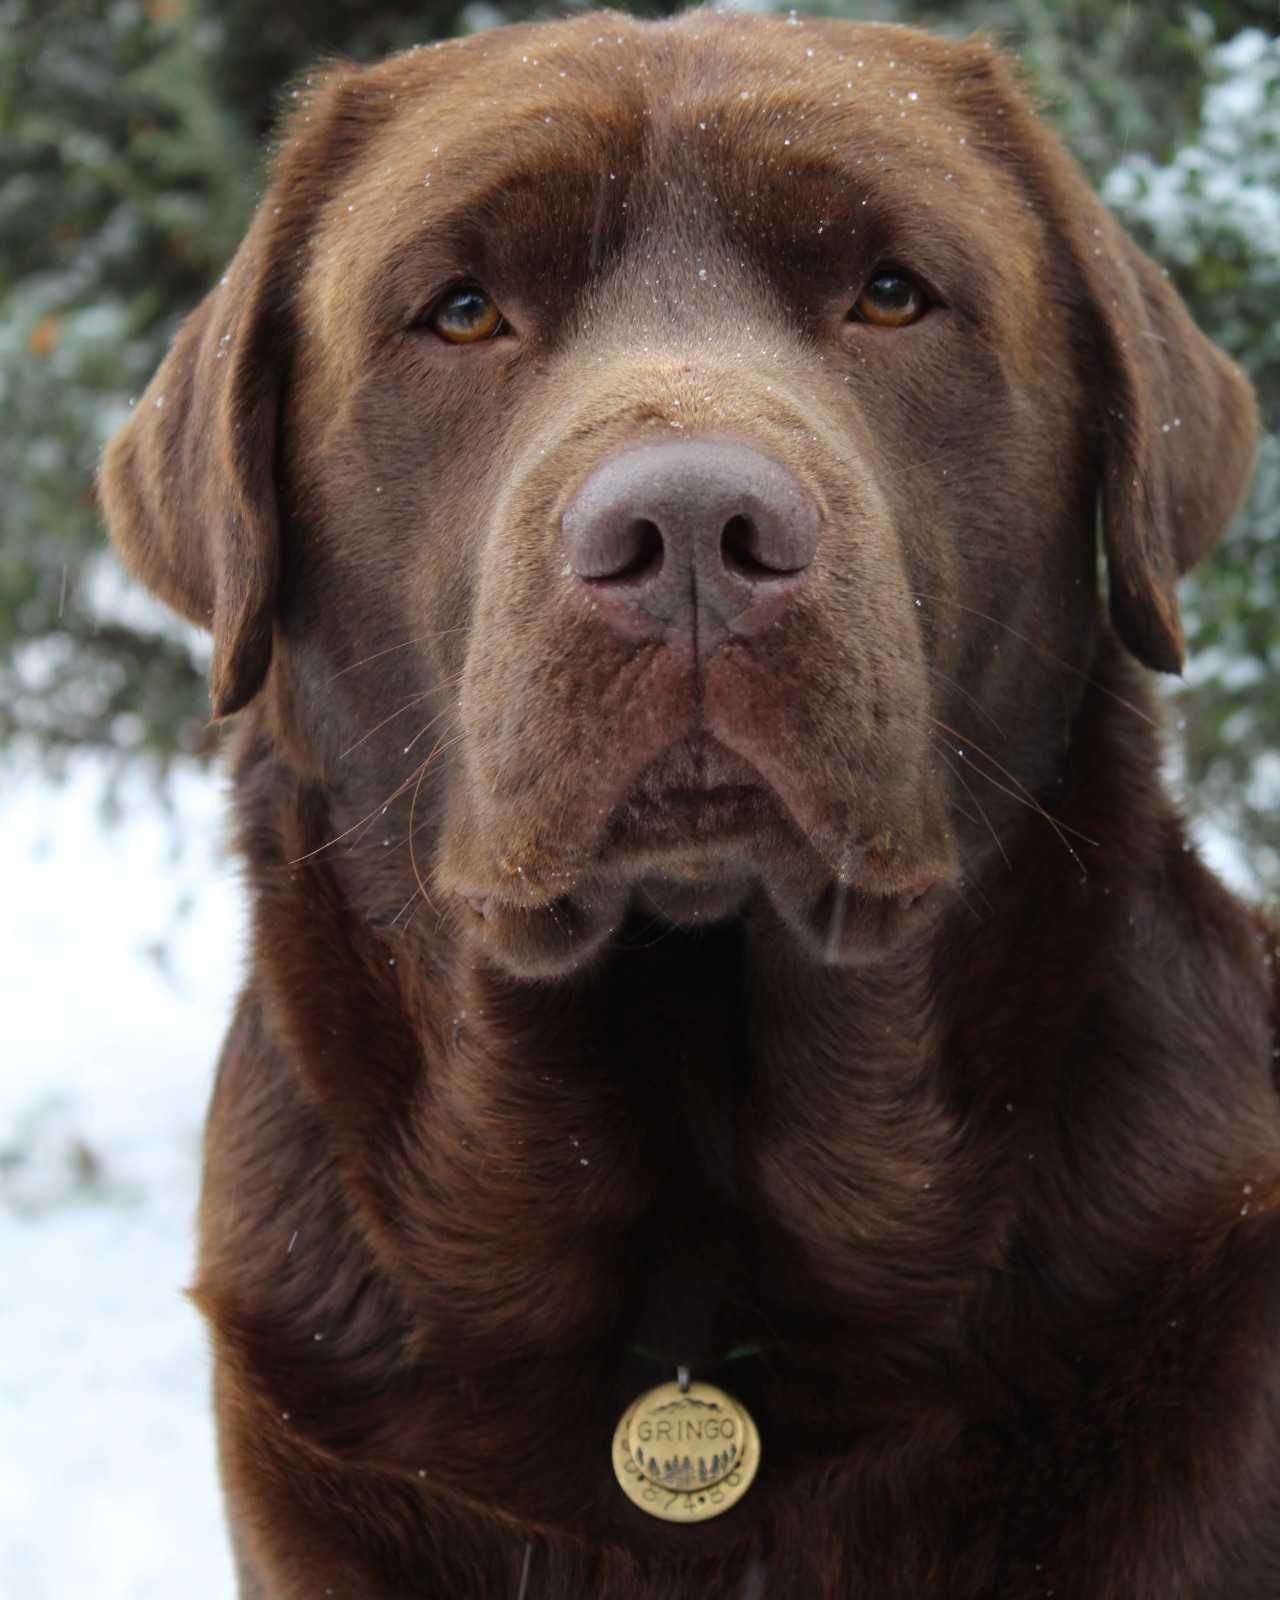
x,y
465,315
891,299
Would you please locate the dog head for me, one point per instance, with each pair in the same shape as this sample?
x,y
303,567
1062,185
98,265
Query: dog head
x,y
647,458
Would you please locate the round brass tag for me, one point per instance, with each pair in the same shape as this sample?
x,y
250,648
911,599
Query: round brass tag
x,y
685,1455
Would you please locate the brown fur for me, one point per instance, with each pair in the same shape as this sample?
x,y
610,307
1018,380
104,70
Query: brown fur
x,y
919,1053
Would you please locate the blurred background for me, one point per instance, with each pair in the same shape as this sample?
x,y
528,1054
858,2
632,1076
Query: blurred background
x,y
132,139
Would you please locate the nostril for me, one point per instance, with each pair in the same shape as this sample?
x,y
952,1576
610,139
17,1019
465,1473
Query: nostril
x,y
642,552
739,542
613,548
744,551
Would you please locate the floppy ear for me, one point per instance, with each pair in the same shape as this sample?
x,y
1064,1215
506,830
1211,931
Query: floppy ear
x,y
1176,419
189,483
1178,424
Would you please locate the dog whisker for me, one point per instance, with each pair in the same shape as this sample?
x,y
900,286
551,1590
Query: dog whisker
x,y
414,897
442,687
1023,792
1049,655
438,750
970,698
426,728
347,832
377,655
959,776
417,699
1025,797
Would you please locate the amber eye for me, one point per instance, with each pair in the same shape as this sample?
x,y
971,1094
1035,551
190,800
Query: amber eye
x,y
891,299
465,315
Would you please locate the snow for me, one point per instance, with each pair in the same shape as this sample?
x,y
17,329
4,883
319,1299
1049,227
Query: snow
x,y
1226,179
120,957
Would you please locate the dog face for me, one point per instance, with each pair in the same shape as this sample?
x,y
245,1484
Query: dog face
x,y
661,464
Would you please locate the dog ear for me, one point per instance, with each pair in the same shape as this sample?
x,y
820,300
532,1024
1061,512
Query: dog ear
x,y
1178,423
188,484
1176,419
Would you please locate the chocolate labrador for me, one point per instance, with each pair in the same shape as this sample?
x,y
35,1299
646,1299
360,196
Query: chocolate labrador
x,y
742,1086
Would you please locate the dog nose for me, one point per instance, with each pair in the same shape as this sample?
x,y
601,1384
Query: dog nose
x,y
697,537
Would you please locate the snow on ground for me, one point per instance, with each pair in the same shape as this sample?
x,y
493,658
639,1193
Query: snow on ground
x,y
118,962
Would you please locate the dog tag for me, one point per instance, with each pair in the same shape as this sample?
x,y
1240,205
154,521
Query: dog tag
x,y
685,1453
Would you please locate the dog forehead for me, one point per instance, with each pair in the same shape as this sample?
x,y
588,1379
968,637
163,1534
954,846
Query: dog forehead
x,y
460,114
772,109
675,59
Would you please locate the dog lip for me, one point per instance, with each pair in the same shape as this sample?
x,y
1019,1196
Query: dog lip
x,y
488,902
682,798
480,900
690,820
906,883
702,812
